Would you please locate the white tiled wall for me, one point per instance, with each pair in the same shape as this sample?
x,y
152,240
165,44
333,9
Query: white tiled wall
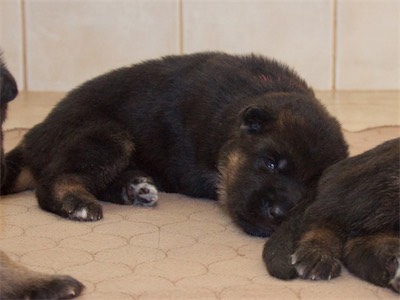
x,y
69,41
11,39
296,32
334,44
368,44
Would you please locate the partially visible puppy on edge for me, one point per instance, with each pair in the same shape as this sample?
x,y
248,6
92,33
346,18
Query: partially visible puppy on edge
x,y
354,219
16,281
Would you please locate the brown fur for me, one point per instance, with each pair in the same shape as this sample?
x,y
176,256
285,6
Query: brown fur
x,y
353,218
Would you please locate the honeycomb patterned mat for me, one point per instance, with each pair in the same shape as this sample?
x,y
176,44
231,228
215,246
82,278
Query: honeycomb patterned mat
x,y
182,249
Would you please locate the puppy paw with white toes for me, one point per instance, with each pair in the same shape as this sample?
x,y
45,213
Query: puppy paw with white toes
x,y
140,191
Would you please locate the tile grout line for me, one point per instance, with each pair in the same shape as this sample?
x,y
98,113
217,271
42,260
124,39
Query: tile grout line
x,y
180,25
334,44
23,43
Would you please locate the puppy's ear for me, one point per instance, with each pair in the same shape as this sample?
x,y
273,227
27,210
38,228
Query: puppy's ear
x,y
8,86
255,119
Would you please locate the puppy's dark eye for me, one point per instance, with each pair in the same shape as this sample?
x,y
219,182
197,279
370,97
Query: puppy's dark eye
x,y
270,164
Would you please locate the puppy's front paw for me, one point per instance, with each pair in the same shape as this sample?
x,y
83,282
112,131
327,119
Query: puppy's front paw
x,y
315,265
140,190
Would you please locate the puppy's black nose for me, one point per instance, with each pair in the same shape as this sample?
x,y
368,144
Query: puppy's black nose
x,y
277,213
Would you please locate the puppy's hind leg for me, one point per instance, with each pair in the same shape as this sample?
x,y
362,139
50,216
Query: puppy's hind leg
x,y
375,258
80,173
15,175
69,197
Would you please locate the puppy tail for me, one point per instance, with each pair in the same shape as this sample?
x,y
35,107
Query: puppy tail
x,y
278,249
277,253
15,176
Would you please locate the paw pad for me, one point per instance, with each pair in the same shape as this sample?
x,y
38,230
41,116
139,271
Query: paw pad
x,y
81,209
316,266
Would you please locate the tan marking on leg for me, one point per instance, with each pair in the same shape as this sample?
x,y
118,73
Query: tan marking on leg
x,y
321,234
373,241
25,181
71,184
321,239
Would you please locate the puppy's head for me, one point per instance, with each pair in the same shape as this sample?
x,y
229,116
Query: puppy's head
x,y
282,145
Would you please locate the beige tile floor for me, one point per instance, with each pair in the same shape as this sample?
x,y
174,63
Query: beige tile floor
x,y
361,110
184,248
355,110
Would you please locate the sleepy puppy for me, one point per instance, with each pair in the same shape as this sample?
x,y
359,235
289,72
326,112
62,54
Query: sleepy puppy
x,y
246,130
354,219
16,281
